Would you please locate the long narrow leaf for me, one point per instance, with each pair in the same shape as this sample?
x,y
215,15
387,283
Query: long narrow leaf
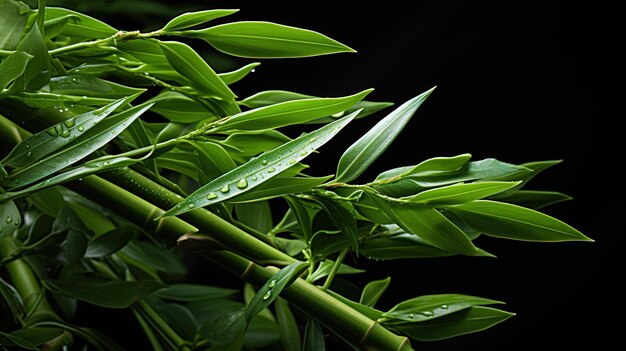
x,y
366,150
82,146
258,170
273,287
290,112
57,136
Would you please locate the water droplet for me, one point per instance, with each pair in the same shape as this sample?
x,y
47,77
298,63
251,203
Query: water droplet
x,y
58,128
65,134
9,219
264,162
29,154
225,189
339,114
70,122
254,178
267,295
81,128
17,222
211,196
292,161
427,314
411,315
444,307
272,283
74,80
303,153
27,146
190,205
312,139
252,70
271,170
146,73
242,183
51,131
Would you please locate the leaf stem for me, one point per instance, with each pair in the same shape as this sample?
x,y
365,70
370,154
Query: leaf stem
x,y
333,271
119,36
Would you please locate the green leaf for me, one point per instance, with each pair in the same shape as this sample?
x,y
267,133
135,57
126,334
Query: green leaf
x,y
313,336
55,26
109,242
373,291
13,19
109,294
400,246
235,76
290,112
190,65
12,67
214,160
180,319
152,257
534,199
467,321
84,144
428,224
45,142
84,28
90,86
193,292
191,19
10,218
38,336
302,215
280,186
370,146
258,170
12,340
273,287
433,166
257,215
271,97
267,40
343,216
13,300
325,267
287,326
428,307
411,181
37,71
460,193
181,109
509,221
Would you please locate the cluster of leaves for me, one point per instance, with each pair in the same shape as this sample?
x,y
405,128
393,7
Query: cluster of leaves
x,y
99,100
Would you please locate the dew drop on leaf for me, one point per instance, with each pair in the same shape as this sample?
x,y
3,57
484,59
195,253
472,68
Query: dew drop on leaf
x,y
70,122
272,283
58,128
254,178
267,295
65,134
29,154
303,153
242,183
9,219
190,205
444,307
264,162
427,314
271,170
51,131
225,189
211,196
81,128
27,146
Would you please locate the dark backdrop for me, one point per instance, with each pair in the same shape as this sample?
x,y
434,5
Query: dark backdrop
x,y
516,81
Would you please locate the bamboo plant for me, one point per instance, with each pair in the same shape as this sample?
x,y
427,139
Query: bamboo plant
x,y
124,153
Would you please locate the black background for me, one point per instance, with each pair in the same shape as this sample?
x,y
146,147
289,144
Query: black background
x,y
516,81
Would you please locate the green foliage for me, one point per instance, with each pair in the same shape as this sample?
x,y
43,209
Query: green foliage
x,y
169,137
